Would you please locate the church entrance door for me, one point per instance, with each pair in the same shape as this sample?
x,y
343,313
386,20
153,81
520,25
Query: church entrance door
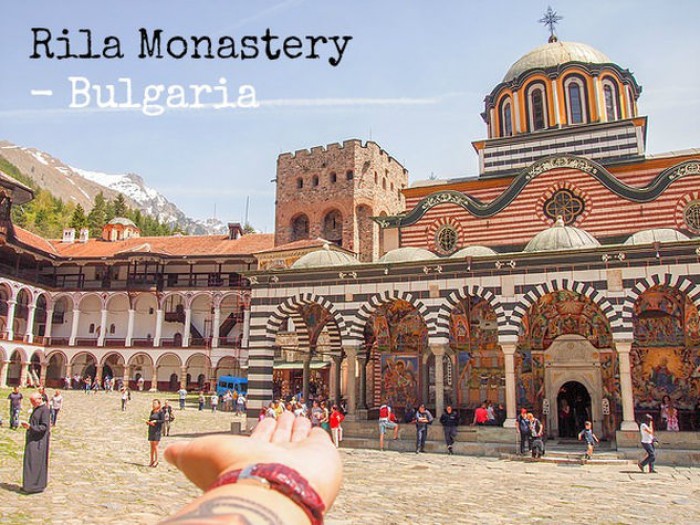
x,y
573,409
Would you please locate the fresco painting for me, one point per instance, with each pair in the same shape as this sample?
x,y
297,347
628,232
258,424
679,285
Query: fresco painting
x,y
399,379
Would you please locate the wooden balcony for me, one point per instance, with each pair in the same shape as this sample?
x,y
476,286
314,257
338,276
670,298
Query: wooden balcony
x,y
142,343
85,341
115,342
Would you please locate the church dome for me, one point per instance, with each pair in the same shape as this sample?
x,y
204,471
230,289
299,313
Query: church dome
x,y
561,237
473,251
323,258
408,254
554,54
656,235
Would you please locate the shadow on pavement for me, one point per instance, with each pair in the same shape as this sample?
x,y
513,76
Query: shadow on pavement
x,y
11,487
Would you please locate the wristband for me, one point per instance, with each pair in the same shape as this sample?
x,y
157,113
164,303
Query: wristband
x,y
284,480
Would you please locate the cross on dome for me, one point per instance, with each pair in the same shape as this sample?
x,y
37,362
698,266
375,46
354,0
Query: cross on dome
x,y
551,19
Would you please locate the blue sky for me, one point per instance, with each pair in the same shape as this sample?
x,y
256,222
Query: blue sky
x,y
413,79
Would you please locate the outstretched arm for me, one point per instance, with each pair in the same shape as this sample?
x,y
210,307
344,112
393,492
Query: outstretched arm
x,y
288,440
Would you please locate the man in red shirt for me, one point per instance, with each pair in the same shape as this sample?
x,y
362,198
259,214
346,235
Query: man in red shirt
x,y
481,415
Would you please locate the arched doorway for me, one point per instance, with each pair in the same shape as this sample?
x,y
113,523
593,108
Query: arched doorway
x,y
573,409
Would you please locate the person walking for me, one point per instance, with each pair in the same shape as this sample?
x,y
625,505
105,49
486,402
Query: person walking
x,y
423,419
182,397
155,426
55,405
646,429
15,398
200,401
240,405
214,401
387,420
335,419
125,398
167,417
537,436
590,438
36,448
449,421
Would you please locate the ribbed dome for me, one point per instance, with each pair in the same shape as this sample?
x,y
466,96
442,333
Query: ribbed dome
x,y
561,237
123,221
473,251
323,258
407,254
554,54
656,235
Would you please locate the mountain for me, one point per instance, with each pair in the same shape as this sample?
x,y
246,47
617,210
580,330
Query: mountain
x,y
80,186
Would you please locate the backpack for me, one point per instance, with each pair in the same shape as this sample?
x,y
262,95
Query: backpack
x,y
384,412
524,425
409,416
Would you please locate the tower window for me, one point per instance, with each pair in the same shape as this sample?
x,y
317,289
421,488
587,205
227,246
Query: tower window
x,y
300,227
314,181
612,109
537,109
506,119
384,184
349,175
300,183
576,101
333,177
376,178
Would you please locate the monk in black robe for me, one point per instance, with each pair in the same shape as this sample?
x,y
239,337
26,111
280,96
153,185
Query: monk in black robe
x,y
36,448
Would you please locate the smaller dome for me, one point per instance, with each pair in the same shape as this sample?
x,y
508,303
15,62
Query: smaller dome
x,y
323,258
407,254
474,250
656,235
123,221
561,237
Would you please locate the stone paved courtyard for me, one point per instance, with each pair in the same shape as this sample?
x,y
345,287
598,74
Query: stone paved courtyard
x,y
98,474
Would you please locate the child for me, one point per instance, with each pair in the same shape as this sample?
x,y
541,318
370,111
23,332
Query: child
x,y
336,419
590,438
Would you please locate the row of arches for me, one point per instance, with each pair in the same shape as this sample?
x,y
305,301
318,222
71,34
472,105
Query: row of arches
x,y
399,361
115,318
167,372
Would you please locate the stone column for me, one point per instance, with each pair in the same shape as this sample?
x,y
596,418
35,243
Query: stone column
x,y
351,357
216,327
337,364
74,327
10,319
511,402
23,374
306,377
186,332
130,327
438,350
4,367
246,328
103,328
154,379
29,332
183,377
49,325
98,374
424,379
627,394
159,327
69,374
362,363
42,373
127,375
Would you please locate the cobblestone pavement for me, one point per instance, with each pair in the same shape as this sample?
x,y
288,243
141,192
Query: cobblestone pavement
x,y
98,474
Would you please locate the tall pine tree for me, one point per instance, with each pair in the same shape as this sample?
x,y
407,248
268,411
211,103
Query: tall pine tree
x,y
120,207
79,220
97,217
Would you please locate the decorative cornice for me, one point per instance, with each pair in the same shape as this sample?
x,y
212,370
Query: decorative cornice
x,y
650,192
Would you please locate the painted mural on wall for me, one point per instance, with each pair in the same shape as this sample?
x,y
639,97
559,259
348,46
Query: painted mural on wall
x,y
397,327
665,356
474,338
316,317
561,313
400,379
395,337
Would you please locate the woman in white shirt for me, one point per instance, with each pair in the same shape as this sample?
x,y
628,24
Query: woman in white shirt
x,y
646,430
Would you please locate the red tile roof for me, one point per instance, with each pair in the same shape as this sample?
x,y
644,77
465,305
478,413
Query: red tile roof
x,y
190,245
300,245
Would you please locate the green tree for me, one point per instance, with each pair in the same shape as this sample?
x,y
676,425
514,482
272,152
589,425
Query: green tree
x,y
97,216
79,220
249,228
120,207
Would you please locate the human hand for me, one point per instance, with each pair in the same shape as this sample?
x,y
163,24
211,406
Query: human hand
x,y
24,424
287,440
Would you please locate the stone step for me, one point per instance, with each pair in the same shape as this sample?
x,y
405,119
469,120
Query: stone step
x,y
568,459
409,445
